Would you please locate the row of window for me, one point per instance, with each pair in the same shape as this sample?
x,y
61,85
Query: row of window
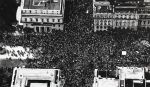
x,y
105,28
103,9
132,11
41,20
40,12
126,24
144,22
45,25
128,16
104,16
107,11
103,22
97,28
144,16
116,22
119,16
43,2
143,10
42,29
101,28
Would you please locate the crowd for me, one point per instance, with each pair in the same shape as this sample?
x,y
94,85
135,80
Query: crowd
x,y
78,56
6,75
78,50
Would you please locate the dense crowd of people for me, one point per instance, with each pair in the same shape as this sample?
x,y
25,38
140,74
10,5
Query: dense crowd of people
x,y
78,56
77,51
6,75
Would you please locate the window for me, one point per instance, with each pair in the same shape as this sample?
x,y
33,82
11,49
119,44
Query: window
x,y
147,84
48,29
109,22
58,20
98,8
31,19
53,20
25,19
55,0
38,83
97,27
42,20
37,29
36,20
101,22
102,73
138,84
47,20
99,0
42,29
39,2
129,83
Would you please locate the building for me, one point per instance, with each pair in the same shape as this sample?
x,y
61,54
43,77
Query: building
x,y
144,15
41,15
121,14
103,15
123,77
125,15
131,76
27,77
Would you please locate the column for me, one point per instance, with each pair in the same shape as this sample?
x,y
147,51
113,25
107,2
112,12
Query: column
x,y
35,29
121,78
45,29
146,23
39,29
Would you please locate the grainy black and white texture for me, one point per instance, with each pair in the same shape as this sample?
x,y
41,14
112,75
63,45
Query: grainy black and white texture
x,y
77,50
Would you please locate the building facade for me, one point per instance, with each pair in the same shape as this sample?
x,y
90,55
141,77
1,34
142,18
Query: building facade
x,y
123,77
122,14
30,77
102,13
144,15
41,15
